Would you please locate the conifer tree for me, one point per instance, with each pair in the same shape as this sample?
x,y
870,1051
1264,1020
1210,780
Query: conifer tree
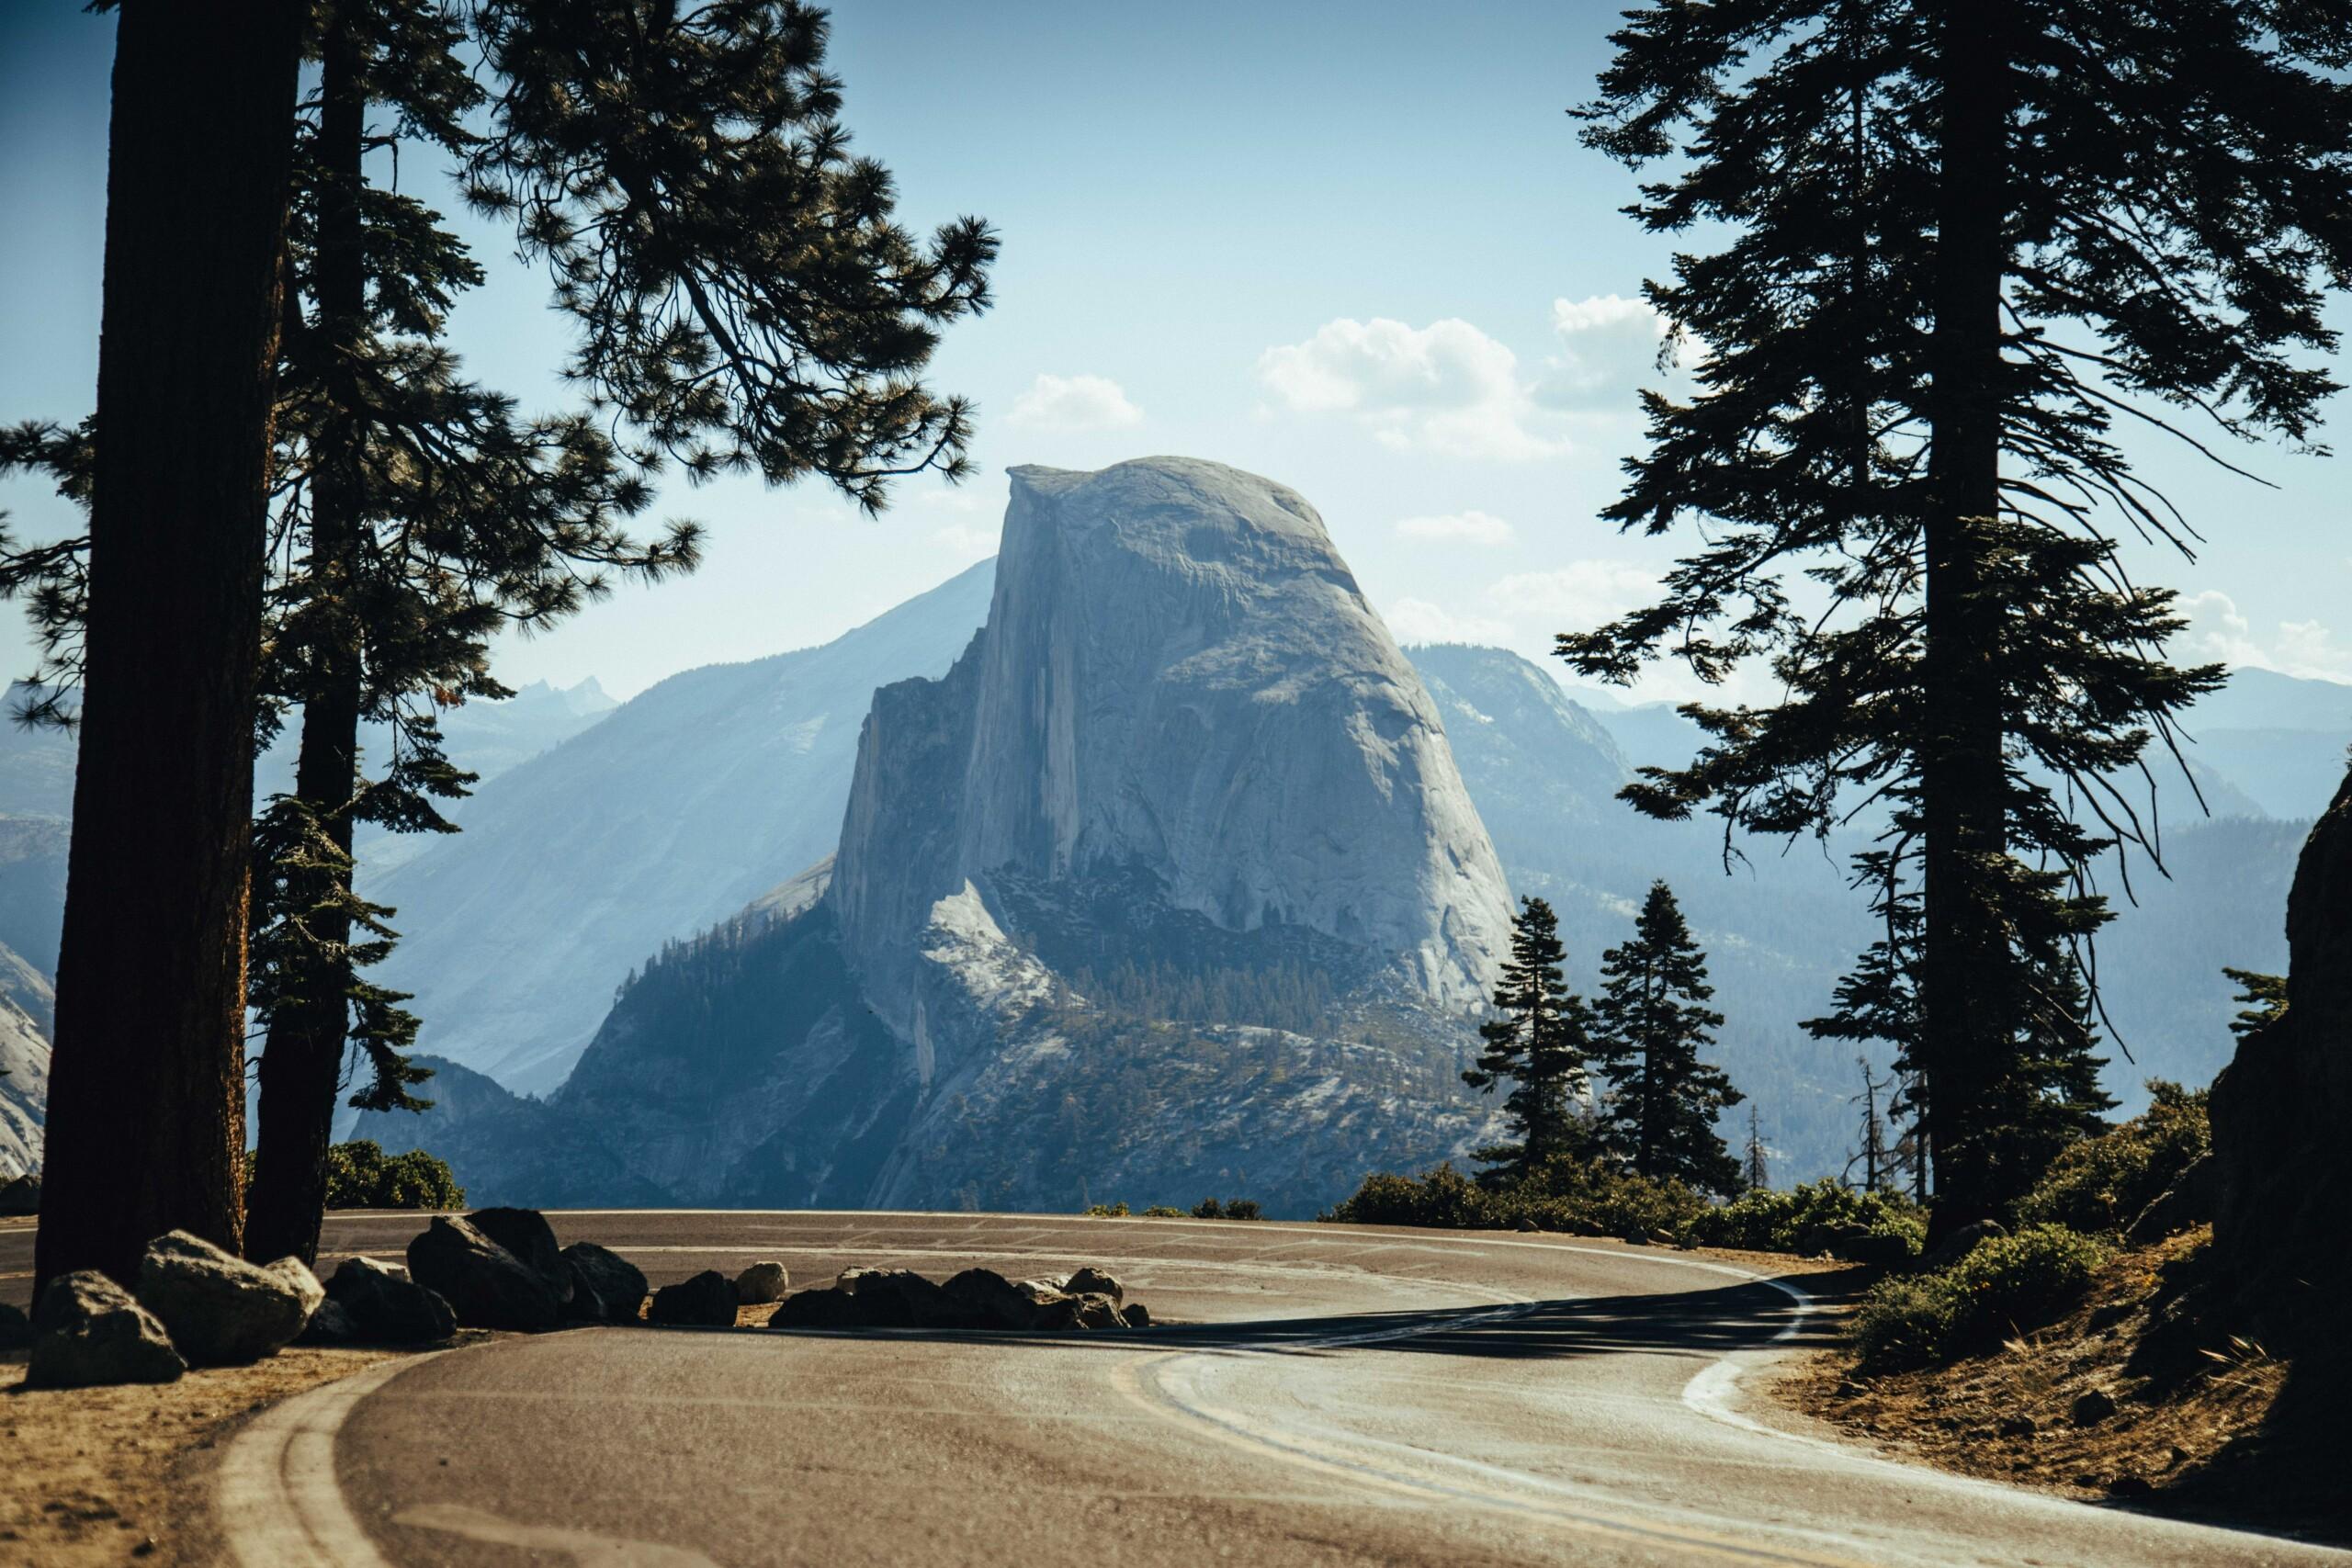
x,y
146,1109
1536,1043
1650,1022
1961,246
1756,1170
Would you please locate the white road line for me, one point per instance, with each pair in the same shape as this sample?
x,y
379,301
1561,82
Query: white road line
x,y
277,1500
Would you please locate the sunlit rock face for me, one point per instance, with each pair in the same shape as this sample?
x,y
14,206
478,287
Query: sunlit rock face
x,y
1179,678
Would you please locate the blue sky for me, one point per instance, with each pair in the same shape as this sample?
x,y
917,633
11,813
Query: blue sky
x,y
1353,247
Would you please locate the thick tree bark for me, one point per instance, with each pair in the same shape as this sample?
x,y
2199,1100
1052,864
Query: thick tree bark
x,y
302,1064
1965,983
146,1111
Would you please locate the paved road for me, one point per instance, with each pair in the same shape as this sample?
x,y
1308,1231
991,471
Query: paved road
x,y
1340,1397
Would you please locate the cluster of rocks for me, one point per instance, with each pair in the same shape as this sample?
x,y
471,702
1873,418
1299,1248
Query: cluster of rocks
x,y
194,1305
977,1297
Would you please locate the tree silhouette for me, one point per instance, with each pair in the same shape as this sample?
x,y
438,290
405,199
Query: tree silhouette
x,y
1960,245
1650,1022
1536,1043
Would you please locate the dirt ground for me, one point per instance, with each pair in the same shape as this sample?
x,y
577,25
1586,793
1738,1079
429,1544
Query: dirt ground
x,y
118,1475
2193,1408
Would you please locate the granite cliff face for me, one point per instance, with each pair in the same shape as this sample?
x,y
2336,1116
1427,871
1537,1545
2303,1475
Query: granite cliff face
x,y
1178,677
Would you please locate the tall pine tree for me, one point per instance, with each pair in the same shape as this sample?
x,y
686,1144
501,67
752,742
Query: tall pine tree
x,y
1536,1043
146,1105
1649,1023
1959,246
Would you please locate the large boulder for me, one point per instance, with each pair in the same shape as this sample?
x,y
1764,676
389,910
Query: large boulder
x,y
20,1197
986,1298
762,1282
707,1300
485,1285
606,1287
1093,1281
526,1234
384,1306
220,1310
899,1298
87,1330
2281,1162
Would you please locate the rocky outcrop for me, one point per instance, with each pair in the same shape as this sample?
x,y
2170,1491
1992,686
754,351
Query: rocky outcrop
x,y
384,1306
1179,675
485,1285
89,1331
220,1310
2281,1159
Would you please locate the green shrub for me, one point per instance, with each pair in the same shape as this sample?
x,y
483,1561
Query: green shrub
x,y
1576,1196
1106,1210
1817,1216
360,1175
2005,1284
2100,1185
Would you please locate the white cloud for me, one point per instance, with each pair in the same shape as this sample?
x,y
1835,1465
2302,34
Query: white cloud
x,y
1458,527
1446,388
1419,621
1074,403
1608,346
2217,630
1576,597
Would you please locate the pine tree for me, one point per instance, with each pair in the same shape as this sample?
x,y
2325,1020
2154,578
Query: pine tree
x,y
146,1109
1960,246
1650,1022
1536,1043
1755,1172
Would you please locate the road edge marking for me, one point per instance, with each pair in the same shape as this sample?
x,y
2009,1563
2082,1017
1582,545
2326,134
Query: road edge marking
x,y
276,1494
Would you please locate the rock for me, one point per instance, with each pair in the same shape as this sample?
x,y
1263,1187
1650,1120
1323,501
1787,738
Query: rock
x,y
384,1306
2281,1162
899,1298
1960,1244
606,1287
16,1328
329,1325
828,1306
526,1234
762,1283
297,1273
220,1310
1136,1315
88,1331
1093,1281
986,1298
20,1197
485,1285
2091,1407
2190,1200
707,1300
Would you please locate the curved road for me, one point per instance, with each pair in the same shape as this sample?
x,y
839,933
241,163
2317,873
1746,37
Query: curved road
x,y
1341,1395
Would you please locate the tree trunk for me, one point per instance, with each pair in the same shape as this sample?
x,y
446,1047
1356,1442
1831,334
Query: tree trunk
x,y
146,1109
1964,980
302,1064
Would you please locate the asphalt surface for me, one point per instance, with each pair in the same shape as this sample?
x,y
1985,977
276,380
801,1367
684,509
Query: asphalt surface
x,y
1337,1395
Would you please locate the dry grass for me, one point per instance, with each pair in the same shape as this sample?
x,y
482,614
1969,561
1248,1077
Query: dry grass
x,y
2193,1406
116,1475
